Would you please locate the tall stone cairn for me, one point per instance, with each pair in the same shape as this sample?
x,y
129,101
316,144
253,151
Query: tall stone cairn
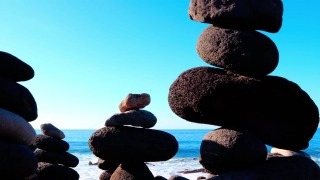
x,y
17,109
236,92
126,142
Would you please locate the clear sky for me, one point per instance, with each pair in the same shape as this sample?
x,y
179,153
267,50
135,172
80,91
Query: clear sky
x,y
88,55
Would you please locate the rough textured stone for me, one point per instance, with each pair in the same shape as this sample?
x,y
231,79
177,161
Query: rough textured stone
x,y
13,68
108,165
224,150
134,101
239,14
124,144
50,130
17,99
47,171
64,158
131,171
14,128
50,144
105,175
17,161
285,152
249,53
138,118
278,111
277,168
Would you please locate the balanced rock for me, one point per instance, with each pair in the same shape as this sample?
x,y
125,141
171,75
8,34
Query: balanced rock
x,y
275,109
134,101
123,143
50,130
285,152
239,14
64,158
50,143
17,161
108,165
105,175
15,129
248,53
277,168
13,68
17,99
138,118
131,171
224,150
49,171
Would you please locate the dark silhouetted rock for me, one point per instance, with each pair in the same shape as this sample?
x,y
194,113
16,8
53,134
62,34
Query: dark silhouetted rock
x,y
50,143
278,111
239,14
17,99
47,171
64,158
32,177
15,129
249,53
277,168
160,178
124,143
50,130
224,150
176,177
108,165
131,171
134,101
13,68
105,175
138,118
17,161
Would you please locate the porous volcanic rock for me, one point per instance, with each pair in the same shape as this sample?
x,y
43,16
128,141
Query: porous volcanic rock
x,y
47,171
64,158
50,143
123,143
105,175
17,161
50,130
131,171
249,53
13,68
275,109
138,118
134,101
224,150
239,14
277,168
17,99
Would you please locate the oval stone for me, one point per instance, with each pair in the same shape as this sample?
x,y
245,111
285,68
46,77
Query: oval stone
x,y
13,68
50,144
49,171
64,158
132,170
134,101
277,110
52,131
124,144
248,53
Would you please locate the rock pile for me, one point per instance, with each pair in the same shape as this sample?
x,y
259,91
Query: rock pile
x,y
54,162
126,142
252,107
17,109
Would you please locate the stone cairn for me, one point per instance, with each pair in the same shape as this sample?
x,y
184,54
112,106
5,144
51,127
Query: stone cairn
x,y
252,108
126,142
54,162
17,109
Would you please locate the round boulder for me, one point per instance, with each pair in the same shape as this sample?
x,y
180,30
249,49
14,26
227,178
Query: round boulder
x,y
132,170
64,158
138,118
239,14
134,101
50,130
248,53
224,150
50,144
124,144
49,171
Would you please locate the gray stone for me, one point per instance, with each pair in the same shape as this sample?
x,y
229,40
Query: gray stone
x,y
50,130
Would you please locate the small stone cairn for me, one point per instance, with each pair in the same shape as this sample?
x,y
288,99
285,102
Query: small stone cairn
x,y
17,109
254,109
126,142
54,162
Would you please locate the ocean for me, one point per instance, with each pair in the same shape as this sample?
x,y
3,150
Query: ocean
x,y
185,159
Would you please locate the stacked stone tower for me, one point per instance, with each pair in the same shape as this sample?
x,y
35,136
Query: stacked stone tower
x,y
54,162
126,142
17,109
236,93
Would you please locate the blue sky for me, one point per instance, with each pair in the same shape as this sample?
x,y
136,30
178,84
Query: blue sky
x,y
89,54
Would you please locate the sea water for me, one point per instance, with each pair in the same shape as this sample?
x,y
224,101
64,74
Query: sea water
x,y
185,159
